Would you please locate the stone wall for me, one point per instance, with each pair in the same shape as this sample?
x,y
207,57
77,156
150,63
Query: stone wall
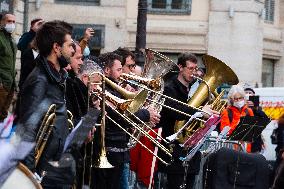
x,y
240,37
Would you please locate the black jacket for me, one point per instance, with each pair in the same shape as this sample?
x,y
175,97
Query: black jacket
x,y
27,65
115,136
43,87
175,89
25,40
76,97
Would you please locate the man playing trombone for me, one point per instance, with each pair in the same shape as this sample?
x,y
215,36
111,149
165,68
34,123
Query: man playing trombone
x,y
115,138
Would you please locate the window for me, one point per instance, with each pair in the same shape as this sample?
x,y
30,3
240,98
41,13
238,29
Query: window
x,y
269,6
91,2
169,6
6,6
97,41
267,78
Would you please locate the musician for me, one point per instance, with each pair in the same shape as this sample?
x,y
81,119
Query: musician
x,y
46,83
115,138
76,91
129,66
178,88
128,59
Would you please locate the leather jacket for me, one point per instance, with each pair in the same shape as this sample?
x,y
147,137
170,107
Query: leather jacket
x,y
44,86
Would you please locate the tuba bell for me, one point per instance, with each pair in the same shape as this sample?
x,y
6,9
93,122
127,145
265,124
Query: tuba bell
x,y
217,72
155,69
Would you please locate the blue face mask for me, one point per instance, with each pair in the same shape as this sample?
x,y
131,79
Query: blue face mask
x,y
86,51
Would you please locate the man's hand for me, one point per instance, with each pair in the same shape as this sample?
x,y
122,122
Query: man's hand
x,y
36,26
90,135
129,88
89,32
209,111
250,103
154,116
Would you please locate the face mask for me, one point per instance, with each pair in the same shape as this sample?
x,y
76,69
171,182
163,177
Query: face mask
x,y
86,51
63,62
239,104
10,28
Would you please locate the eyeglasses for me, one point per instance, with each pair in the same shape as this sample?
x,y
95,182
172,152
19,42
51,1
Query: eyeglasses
x,y
238,99
131,66
191,68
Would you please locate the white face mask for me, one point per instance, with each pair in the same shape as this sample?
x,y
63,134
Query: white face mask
x,y
239,104
10,28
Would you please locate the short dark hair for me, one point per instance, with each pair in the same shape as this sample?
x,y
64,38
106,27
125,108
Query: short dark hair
x,y
50,33
107,59
250,89
35,20
124,53
182,58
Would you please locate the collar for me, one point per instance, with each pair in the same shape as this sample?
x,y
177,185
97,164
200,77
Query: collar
x,y
53,74
181,86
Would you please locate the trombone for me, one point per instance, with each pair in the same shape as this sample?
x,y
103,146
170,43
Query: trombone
x,y
44,132
123,105
125,78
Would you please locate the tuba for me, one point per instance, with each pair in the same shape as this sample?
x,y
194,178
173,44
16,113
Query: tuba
x,y
155,68
217,72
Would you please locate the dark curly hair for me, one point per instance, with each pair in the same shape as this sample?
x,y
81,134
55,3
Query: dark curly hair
x,y
124,53
107,59
50,33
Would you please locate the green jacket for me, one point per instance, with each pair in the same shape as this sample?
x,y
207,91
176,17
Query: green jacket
x,y
7,60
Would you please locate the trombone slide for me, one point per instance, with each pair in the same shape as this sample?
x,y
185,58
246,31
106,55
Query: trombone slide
x,y
199,134
175,135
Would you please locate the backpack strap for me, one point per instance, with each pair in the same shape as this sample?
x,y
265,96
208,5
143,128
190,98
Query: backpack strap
x,y
247,112
230,115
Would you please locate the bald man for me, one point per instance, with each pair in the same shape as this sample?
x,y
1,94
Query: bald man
x,y
8,52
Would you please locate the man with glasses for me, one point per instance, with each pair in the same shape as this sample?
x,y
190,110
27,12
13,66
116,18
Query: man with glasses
x,y
128,59
178,88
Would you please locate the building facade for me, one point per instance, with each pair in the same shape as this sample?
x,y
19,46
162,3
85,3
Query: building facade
x,y
246,34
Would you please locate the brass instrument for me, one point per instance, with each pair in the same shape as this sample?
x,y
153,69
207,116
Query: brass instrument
x,y
155,68
217,72
44,132
102,161
121,105
70,120
139,97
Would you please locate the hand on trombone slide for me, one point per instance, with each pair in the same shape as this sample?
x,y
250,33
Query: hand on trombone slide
x,y
154,116
208,109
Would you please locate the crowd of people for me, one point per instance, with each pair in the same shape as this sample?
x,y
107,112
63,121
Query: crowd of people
x,y
56,69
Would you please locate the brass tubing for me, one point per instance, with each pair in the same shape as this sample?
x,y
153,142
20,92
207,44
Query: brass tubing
x,y
137,140
170,98
160,137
